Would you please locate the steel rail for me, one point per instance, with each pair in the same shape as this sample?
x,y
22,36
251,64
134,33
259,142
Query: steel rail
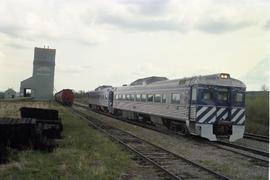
x,y
248,149
241,153
88,118
257,137
168,132
130,148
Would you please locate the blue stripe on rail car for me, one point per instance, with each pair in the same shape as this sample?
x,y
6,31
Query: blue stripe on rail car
x,y
234,112
222,112
202,114
206,114
211,118
241,119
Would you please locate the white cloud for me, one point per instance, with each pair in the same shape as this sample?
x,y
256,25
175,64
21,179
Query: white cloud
x,y
258,75
116,42
72,68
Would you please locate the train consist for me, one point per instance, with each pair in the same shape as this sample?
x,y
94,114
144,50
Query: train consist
x,y
65,97
210,106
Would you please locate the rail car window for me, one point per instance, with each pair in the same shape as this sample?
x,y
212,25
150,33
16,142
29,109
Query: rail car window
x,y
138,97
106,96
132,97
150,97
175,99
194,94
128,97
123,97
238,97
223,95
120,96
157,98
164,98
116,96
143,97
207,95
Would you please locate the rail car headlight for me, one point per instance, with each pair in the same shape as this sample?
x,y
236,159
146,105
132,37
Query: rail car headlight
x,y
224,76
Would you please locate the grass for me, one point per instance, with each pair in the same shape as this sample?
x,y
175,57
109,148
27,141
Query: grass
x,y
82,100
223,167
11,108
84,153
131,128
257,112
256,128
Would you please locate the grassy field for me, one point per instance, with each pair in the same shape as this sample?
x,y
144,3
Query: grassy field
x,y
82,100
257,112
83,153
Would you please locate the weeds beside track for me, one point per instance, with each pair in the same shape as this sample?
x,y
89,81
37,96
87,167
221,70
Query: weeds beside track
x,y
172,165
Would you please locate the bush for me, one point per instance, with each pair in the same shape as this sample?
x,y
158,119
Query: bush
x,y
1,95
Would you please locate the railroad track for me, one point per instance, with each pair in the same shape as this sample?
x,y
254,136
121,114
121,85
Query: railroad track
x,y
259,156
170,165
246,135
256,137
238,149
248,149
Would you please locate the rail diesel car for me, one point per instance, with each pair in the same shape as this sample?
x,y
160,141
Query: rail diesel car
x,y
210,106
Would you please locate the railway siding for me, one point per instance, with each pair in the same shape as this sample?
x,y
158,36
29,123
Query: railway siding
x,y
256,137
83,153
173,165
229,163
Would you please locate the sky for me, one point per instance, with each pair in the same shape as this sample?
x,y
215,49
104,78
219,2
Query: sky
x,y
118,41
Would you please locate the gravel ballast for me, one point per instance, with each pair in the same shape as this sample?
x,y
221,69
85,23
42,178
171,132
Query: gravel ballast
x,y
230,164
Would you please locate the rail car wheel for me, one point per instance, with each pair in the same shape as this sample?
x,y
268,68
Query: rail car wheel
x,y
118,112
185,130
144,118
166,123
175,126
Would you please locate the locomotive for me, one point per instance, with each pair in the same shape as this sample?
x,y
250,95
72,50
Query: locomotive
x,y
209,106
65,97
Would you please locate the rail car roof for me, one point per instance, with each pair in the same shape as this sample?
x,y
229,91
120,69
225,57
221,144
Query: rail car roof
x,y
148,80
214,79
103,87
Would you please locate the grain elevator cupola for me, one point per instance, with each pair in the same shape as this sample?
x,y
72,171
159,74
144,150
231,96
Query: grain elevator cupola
x,y
40,85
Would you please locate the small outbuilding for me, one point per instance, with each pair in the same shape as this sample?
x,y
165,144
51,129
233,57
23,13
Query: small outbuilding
x,y
9,94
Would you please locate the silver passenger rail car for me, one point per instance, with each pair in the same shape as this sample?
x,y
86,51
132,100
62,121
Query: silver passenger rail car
x,y
98,99
211,106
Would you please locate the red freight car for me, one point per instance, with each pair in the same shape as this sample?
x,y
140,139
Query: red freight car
x,y
65,97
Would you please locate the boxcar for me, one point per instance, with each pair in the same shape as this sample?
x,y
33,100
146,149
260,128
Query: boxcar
x,y
65,97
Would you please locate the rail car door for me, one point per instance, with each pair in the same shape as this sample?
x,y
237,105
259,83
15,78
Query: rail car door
x,y
237,115
192,102
206,106
223,103
223,125
110,102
